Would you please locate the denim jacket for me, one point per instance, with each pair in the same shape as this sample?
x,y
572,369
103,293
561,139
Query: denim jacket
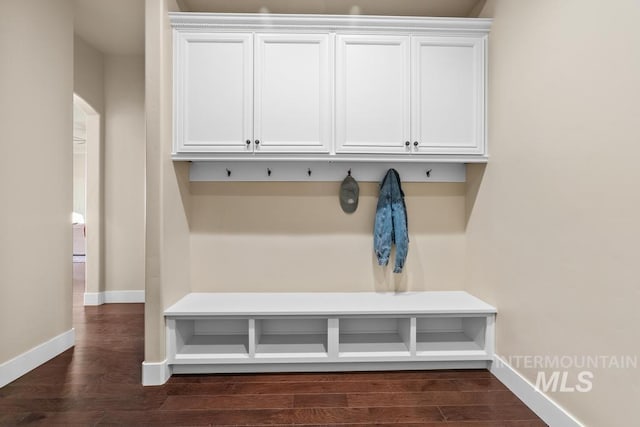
x,y
391,222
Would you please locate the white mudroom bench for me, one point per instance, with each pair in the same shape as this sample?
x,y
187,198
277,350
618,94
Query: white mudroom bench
x,y
286,332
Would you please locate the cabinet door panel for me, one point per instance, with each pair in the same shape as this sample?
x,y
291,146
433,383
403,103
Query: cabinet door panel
x,y
292,93
372,94
448,89
214,92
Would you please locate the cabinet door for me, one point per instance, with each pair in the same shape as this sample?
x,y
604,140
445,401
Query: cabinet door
x,y
292,96
372,94
213,91
448,95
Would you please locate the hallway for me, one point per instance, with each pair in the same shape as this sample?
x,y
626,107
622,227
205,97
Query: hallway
x,y
98,383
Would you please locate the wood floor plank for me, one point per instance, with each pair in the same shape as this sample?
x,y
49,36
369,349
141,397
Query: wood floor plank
x,y
60,377
311,387
275,416
334,376
83,404
432,398
248,401
488,413
70,419
75,391
338,400
484,384
441,424
12,418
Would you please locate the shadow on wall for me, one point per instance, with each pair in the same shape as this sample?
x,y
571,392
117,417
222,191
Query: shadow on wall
x,y
475,174
385,280
314,208
181,170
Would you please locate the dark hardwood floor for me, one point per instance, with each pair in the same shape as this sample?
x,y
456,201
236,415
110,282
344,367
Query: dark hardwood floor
x,y
98,383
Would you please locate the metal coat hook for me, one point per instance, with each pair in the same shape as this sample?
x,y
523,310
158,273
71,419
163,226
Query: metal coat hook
x,y
309,172
429,173
349,172
268,172
228,172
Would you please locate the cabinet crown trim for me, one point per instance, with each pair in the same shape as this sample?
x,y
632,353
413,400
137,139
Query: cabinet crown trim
x,y
311,22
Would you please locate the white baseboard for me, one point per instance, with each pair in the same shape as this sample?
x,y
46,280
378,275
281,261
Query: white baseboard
x,y
155,373
18,366
550,412
93,298
113,297
123,297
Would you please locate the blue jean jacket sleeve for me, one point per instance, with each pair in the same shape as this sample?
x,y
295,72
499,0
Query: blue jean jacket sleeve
x,y
383,229
391,222
400,227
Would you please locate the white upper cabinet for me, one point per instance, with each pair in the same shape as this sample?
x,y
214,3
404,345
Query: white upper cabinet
x,y
390,100
372,94
448,95
213,92
315,88
246,93
292,95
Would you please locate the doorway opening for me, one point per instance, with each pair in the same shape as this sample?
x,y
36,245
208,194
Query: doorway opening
x,y
79,183
87,200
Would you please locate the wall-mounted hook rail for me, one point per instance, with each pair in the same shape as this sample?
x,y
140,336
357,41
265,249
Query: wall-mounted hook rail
x,y
251,170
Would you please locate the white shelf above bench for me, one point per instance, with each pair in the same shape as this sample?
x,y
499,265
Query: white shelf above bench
x,y
253,332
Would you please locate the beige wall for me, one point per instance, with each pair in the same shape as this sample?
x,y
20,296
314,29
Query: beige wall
x,y
124,162
276,237
88,86
79,179
553,235
88,76
113,86
167,276
36,83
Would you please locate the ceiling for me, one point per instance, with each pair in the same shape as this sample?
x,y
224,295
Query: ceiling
x,y
112,26
117,26
459,8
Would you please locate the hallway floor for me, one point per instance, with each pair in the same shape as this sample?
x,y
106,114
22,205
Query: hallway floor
x,y
98,383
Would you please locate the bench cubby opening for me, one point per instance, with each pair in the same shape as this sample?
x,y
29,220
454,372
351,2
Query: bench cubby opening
x,y
291,337
212,338
450,334
374,336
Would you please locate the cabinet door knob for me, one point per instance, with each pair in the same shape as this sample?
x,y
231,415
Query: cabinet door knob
x,y
257,142
415,143
407,143
248,141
